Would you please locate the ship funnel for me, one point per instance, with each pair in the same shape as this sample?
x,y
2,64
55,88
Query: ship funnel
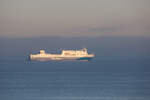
x,y
84,49
42,51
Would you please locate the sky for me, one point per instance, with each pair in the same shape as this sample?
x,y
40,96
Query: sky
x,y
74,18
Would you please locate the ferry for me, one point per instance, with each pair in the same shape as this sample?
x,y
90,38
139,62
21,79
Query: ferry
x,y
65,55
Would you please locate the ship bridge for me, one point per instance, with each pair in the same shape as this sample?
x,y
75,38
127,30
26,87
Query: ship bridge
x,y
74,52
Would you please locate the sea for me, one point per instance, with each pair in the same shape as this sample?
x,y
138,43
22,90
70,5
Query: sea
x,y
118,72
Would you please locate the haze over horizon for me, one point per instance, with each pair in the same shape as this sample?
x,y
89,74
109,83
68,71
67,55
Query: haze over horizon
x,y
74,18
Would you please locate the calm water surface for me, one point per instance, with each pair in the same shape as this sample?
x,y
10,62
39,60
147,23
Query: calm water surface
x,y
100,79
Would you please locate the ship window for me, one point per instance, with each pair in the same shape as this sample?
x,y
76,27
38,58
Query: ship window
x,y
66,53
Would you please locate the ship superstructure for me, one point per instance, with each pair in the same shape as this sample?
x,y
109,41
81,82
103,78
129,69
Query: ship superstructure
x,y
65,55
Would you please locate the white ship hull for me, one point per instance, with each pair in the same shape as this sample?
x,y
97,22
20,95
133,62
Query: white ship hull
x,y
46,58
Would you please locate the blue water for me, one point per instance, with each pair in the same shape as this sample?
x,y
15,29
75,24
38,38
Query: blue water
x,y
120,70
99,79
